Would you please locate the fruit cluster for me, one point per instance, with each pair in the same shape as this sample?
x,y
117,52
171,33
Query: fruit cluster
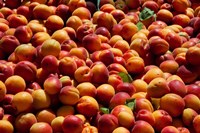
x,y
131,66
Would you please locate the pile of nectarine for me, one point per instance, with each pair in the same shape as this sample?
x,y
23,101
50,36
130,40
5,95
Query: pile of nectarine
x,y
108,66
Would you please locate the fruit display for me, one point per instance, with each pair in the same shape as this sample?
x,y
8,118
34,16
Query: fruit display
x,y
114,66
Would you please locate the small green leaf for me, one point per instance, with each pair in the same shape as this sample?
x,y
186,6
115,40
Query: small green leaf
x,y
131,103
155,16
105,110
98,3
125,77
146,13
139,25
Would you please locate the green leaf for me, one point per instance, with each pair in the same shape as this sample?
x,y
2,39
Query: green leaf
x,y
131,103
125,77
105,110
139,25
98,3
146,13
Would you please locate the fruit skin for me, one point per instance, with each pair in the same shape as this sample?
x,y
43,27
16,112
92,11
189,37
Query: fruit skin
x,y
139,127
173,104
25,120
180,5
52,85
50,47
187,74
72,123
153,73
164,15
121,130
133,4
25,11
16,20
121,108
26,70
82,13
168,129
104,94
175,62
192,54
178,87
125,119
23,34
162,119
60,35
54,22
183,130
83,74
68,45
12,3
115,68
80,52
157,88
50,63
7,106
139,44
100,73
1,113
73,4
45,115
195,123
106,56
188,116
6,11
84,30
4,27
87,106
193,89
65,110
128,30
42,11
114,80
107,123
41,99
91,42
36,27
145,115
6,127
69,95
67,66
143,103
192,101
125,87
87,89
169,66
118,98
15,84
158,45
25,52
138,64
56,124
22,101
3,90
106,20
62,10
8,43
74,22
41,127
6,71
